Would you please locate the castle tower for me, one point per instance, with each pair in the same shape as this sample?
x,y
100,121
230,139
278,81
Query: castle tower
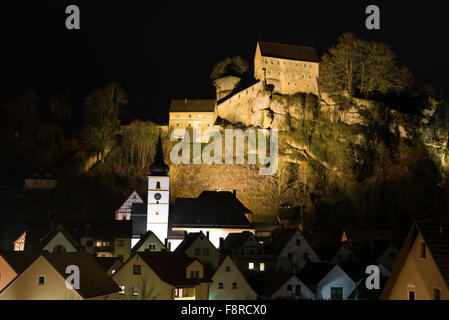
x,y
158,195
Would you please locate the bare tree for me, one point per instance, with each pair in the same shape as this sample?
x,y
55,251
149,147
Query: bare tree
x,y
102,109
229,66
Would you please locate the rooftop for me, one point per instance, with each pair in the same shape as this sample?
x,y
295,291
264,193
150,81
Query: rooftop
x,y
288,51
193,105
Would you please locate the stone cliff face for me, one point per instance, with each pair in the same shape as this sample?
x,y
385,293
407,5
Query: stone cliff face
x,y
334,153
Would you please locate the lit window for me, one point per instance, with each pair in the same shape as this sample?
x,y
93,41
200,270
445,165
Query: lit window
x,y
113,271
200,116
251,266
262,266
135,291
208,116
122,290
41,280
157,212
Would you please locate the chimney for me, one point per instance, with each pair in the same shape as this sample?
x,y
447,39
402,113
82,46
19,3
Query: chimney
x,y
185,234
221,247
207,234
234,192
166,243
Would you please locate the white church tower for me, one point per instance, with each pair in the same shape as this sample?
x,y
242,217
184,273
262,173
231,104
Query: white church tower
x,y
158,195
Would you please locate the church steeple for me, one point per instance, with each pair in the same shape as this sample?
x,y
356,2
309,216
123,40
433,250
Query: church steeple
x,y
159,168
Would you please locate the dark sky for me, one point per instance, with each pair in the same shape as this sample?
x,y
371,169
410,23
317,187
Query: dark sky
x,y
163,51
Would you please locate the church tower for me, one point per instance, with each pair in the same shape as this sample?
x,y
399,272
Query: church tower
x,y
158,195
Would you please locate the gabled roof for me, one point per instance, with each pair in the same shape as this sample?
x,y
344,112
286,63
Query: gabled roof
x,y
189,240
59,229
313,273
134,197
355,233
143,239
20,260
326,249
171,267
234,241
288,51
193,105
279,239
354,270
211,209
107,262
266,284
94,281
436,237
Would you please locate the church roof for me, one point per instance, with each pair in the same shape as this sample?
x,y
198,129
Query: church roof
x,y
158,167
212,210
193,105
288,51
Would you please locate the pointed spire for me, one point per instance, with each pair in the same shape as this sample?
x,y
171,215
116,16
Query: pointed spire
x,y
159,168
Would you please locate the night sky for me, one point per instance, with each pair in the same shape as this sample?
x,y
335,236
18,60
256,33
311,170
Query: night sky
x,y
164,51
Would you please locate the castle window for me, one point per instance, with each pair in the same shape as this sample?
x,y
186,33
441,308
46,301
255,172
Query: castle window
x,y
284,63
310,77
272,62
190,116
305,65
279,73
158,185
303,75
177,124
208,116
269,72
278,62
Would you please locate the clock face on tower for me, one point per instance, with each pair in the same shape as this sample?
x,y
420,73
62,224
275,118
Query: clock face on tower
x,y
157,196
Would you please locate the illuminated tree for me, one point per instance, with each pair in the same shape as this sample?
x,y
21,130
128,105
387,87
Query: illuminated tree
x,y
102,109
364,66
229,66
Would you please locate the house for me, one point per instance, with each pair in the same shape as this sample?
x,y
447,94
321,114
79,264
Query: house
x,y
361,292
381,252
36,237
292,250
228,283
163,276
59,240
289,68
333,282
247,253
187,114
148,242
344,253
14,263
46,279
422,269
110,265
107,238
37,180
124,212
197,245
276,286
